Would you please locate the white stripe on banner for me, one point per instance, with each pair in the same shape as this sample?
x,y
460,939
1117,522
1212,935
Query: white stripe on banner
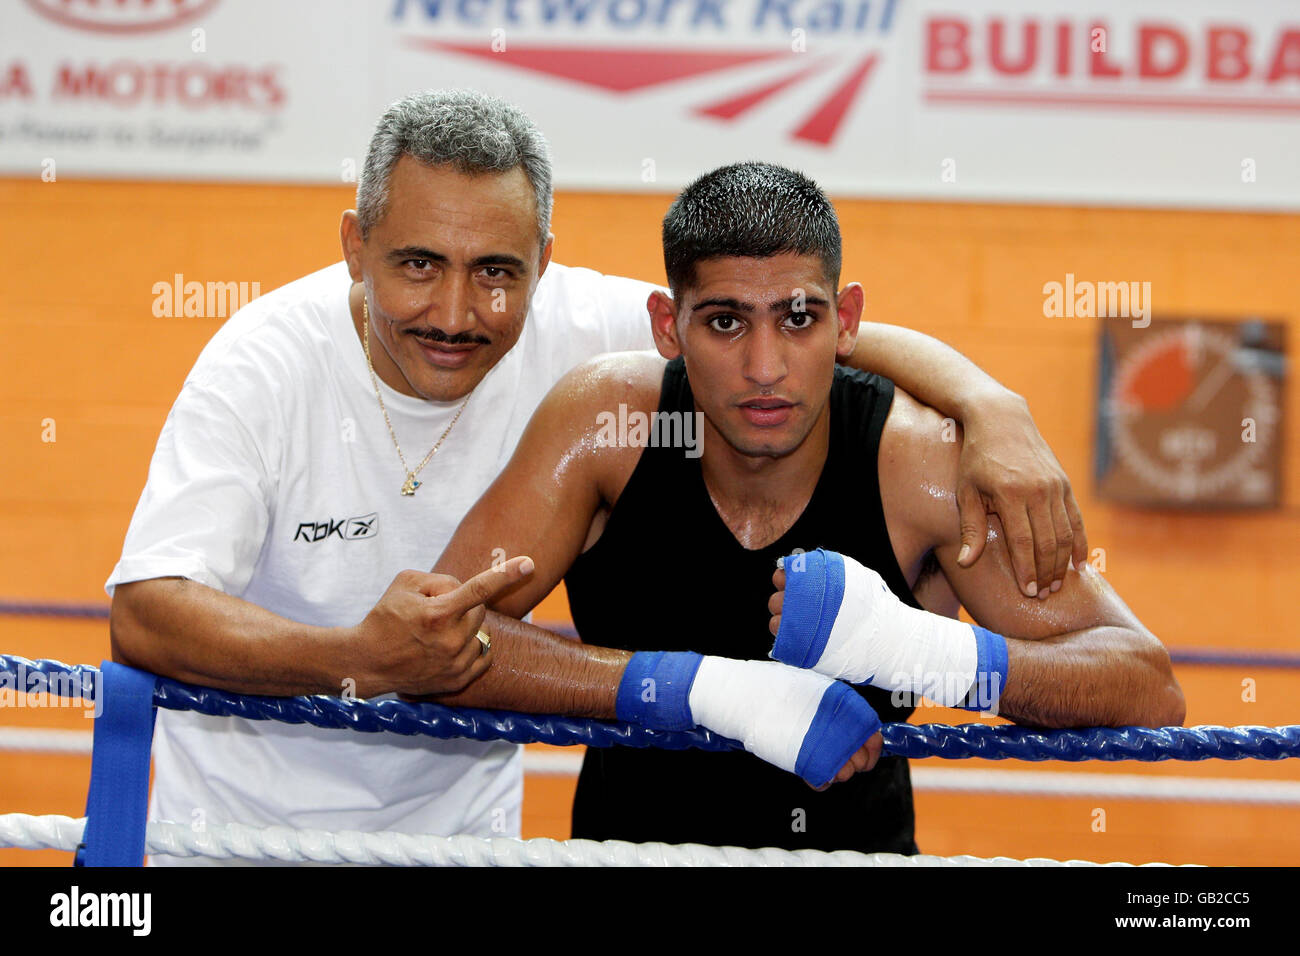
x,y
1024,783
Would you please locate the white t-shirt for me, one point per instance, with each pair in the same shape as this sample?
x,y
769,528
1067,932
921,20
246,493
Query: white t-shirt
x,y
275,480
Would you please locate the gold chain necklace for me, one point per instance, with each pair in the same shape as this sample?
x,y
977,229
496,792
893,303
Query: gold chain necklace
x,y
408,486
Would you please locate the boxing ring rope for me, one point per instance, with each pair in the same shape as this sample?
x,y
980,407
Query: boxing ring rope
x,y
283,844
904,740
907,740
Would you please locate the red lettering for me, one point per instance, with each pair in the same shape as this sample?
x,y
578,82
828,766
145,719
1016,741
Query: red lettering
x,y
1004,45
275,95
15,82
160,73
124,82
90,81
1028,46
1286,60
1063,48
194,86
1225,56
1149,40
1098,44
946,50
188,85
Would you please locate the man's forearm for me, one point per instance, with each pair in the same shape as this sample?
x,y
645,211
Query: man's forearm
x,y
1100,677
536,672
921,365
193,633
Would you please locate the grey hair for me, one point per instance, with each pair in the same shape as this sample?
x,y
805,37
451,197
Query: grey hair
x,y
470,131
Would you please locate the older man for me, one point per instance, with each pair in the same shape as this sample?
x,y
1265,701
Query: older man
x,y
333,434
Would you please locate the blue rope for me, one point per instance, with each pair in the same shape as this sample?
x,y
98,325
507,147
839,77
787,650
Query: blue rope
x,y
904,740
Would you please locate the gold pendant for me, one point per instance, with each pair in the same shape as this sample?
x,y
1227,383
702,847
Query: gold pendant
x,y
409,486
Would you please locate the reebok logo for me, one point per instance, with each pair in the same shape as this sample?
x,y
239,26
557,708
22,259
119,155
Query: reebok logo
x,y
348,529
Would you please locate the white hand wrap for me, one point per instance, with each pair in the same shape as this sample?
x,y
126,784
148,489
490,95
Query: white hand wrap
x,y
864,634
795,719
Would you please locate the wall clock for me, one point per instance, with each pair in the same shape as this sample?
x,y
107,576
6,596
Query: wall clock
x,y
1190,412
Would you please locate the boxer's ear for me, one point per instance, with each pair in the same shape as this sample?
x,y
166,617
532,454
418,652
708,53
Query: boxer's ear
x,y
663,324
848,312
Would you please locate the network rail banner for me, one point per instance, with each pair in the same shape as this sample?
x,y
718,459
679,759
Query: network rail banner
x,y
1168,102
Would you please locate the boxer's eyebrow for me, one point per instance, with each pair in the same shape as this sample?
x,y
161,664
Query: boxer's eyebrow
x,y
784,305
734,304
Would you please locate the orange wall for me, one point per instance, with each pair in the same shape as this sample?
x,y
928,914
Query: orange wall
x,y
79,344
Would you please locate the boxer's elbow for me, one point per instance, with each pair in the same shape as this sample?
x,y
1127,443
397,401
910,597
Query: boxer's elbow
x,y
1163,702
1172,704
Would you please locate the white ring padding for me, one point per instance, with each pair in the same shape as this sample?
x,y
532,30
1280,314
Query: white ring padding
x,y
224,841
45,740
1119,786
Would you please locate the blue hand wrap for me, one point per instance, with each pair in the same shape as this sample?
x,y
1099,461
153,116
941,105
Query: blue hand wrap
x,y
990,671
830,743
656,688
814,590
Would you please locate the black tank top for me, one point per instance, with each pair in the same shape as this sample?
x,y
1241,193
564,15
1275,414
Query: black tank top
x,y
668,574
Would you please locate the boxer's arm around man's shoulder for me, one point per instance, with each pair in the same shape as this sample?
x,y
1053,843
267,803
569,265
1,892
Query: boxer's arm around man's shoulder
x,y
1004,465
1079,657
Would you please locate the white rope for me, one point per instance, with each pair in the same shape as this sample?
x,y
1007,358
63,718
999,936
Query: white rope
x,y
1049,783
235,840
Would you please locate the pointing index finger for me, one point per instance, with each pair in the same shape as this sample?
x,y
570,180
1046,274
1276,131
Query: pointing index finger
x,y
486,585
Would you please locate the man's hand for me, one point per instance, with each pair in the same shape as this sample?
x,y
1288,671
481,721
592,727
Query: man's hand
x,y
421,637
1006,468
866,757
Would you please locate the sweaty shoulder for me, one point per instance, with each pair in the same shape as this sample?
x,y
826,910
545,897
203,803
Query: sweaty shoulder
x,y
579,416
918,464
603,382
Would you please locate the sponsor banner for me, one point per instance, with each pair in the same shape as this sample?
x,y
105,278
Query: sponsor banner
x,y
1178,102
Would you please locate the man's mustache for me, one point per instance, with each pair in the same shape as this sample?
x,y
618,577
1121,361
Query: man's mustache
x,y
439,337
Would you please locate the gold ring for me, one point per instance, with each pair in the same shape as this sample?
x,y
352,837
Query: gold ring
x,y
486,640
